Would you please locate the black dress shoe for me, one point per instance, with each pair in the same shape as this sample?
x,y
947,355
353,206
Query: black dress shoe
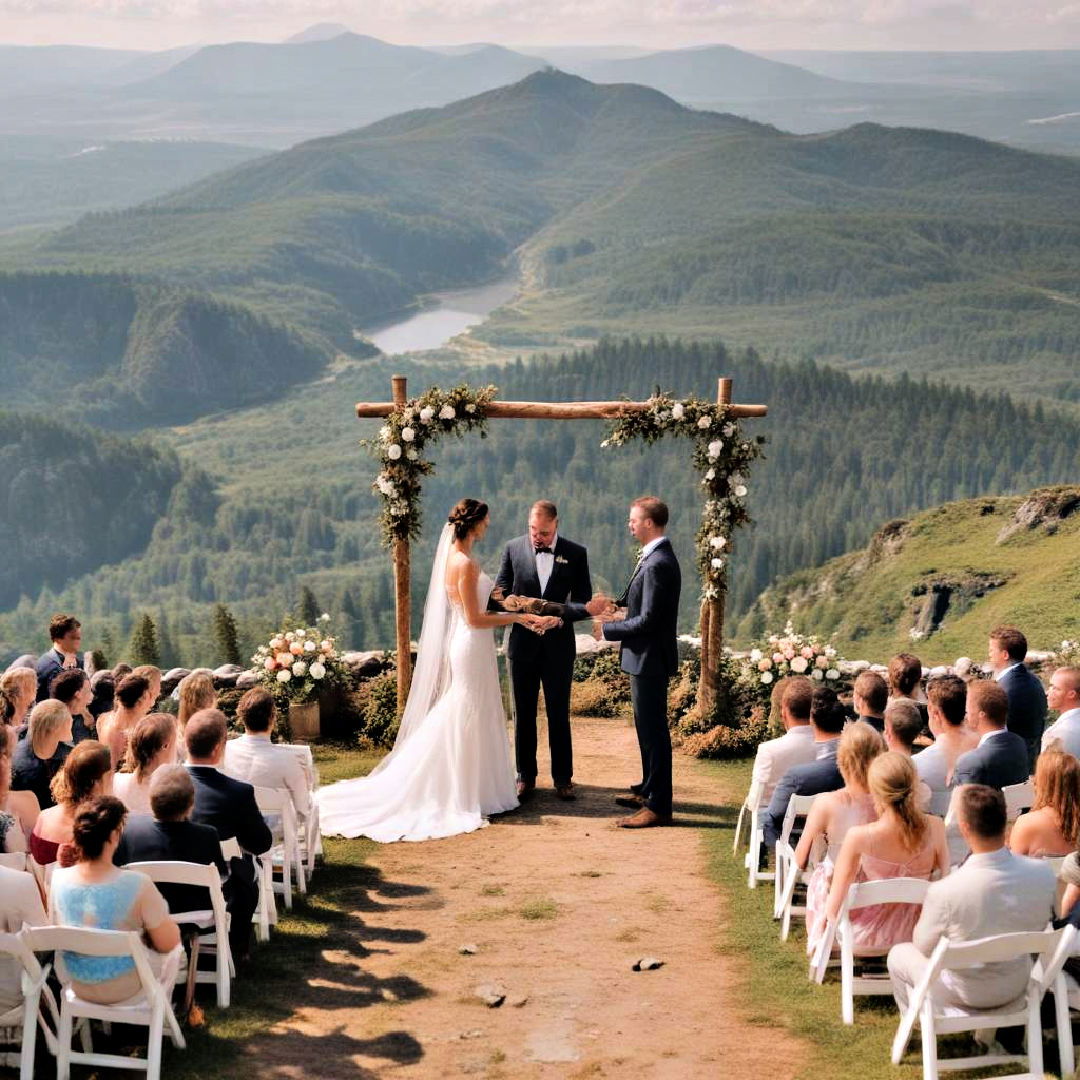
x,y
636,788
565,792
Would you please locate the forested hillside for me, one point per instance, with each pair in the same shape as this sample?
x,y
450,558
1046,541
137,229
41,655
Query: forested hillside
x,y
74,499
127,354
295,507
870,248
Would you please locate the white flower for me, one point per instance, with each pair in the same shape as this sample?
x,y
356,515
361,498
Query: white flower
x,y
393,451
704,422
740,491
412,455
714,449
711,474
398,509
678,411
817,673
324,617
310,646
727,430
284,675
606,442
426,413
301,632
407,434
290,636
447,412
832,673
299,669
830,652
717,564
718,542
915,635
407,415
766,677
663,416
317,671
800,664
755,655
385,433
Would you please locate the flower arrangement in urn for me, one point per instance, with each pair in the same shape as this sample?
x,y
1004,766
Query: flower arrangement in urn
x,y
789,653
295,663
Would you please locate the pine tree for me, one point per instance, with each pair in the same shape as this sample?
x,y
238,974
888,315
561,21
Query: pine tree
x,y
226,642
166,645
107,647
309,607
144,648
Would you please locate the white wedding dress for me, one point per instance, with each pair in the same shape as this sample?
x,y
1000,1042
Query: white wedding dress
x,y
451,763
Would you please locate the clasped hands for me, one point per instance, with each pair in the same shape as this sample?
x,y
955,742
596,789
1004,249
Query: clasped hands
x,y
603,610
540,624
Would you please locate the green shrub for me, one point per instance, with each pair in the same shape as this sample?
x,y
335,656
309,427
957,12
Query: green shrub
x,y
598,697
377,702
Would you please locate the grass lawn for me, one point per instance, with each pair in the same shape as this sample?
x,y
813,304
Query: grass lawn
x,y
777,991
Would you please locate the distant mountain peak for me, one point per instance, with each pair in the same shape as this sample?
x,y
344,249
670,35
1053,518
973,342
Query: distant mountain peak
x,y
324,31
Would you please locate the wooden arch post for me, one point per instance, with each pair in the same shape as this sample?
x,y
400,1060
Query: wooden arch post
x,y
712,611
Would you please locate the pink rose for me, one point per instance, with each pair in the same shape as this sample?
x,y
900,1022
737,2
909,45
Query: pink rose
x,y
789,653
269,663
822,662
296,648
808,652
778,657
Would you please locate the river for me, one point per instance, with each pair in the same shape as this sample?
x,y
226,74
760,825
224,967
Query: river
x,y
451,314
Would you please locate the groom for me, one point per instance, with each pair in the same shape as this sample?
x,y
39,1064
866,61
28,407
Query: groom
x,y
544,564
650,655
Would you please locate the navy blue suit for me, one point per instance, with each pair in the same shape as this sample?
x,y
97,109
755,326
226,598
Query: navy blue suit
x,y
546,660
650,655
50,665
1000,761
1027,708
813,778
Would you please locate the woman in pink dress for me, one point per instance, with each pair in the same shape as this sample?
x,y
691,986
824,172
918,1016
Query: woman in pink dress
x,y
830,818
903,842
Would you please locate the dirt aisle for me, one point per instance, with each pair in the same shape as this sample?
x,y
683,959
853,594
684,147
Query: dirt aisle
x,y
558,904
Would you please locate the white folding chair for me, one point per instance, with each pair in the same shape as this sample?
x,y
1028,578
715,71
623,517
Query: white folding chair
x,y
14,860
934,1020
1066,993
151,1007
216,943
309,832
278,802
784,882
38,1006
753,805
1019,798
862,894
265,914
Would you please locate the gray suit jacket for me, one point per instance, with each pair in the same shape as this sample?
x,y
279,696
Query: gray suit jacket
x,y
994,893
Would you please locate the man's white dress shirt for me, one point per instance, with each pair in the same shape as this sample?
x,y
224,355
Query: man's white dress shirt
x,y
1065,731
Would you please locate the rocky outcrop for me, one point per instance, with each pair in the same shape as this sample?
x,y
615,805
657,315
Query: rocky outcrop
x,y
1045,509
949,595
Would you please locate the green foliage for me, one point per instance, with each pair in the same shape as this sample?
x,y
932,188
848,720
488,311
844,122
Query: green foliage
x,y
226,642
144,647
308,609
379,711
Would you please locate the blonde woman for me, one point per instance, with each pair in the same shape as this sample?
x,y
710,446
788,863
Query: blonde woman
x,y
1052,827
39,756
903,842
18,689
152,743
833,814
195,692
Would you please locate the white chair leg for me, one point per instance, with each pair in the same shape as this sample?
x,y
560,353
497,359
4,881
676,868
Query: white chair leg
x,y
153,1044
1035,1039
29,1035
753,856
63,1049
929,1043
847,977
738,828
1064,1028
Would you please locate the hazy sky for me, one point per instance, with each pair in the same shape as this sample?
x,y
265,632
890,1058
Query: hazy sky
x,y
752,24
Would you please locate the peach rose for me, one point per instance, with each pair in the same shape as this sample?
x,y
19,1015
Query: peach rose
x,y
808,652
284,659
296,648
764,664
269,663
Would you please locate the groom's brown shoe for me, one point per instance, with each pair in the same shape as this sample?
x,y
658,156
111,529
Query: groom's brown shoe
x,y
643,819
565,792
632,802
525,788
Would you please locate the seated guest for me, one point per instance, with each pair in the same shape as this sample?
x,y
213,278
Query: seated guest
x,y
832,815
905,678
902,842
1001,757
796,745
153,676
152,744
195,693
65,632
12,836
103,687
20,903
95,893
254,758
903,725
85,774
72,688
134,696
827,720
170,836
946,703
1026,697
38,757
869,696
1052,826
1064,698
18,692
226,804
994,892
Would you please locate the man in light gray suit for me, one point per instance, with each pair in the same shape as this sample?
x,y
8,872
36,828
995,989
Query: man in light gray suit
x,y
994,892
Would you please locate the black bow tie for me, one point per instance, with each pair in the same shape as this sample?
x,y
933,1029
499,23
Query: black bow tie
x,y
543,551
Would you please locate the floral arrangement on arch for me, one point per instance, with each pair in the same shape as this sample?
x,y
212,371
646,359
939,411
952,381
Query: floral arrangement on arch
x,y
722,455
789,653
1067,654
294,664
400,449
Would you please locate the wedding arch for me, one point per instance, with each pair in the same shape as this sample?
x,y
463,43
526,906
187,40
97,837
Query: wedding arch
x,y
721,454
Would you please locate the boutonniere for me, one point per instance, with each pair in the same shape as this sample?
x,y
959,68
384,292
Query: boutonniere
x,y
561,559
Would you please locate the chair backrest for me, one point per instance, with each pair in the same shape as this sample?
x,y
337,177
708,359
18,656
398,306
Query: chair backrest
x,y
231,849
277,801
1049,968
900,890
994,950
13,860
203,875
798,806
15,946
1018,798
307,759
86,942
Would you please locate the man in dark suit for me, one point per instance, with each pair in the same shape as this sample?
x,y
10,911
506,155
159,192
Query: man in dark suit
x,y
546,565
827,719
65,633
869,696
1001,758
650,655
1027,700
229,806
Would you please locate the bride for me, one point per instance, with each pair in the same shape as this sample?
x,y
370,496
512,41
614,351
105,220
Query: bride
x,y
451,765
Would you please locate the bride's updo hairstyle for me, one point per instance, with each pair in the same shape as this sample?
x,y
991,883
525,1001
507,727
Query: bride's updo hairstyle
x,y
466,516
